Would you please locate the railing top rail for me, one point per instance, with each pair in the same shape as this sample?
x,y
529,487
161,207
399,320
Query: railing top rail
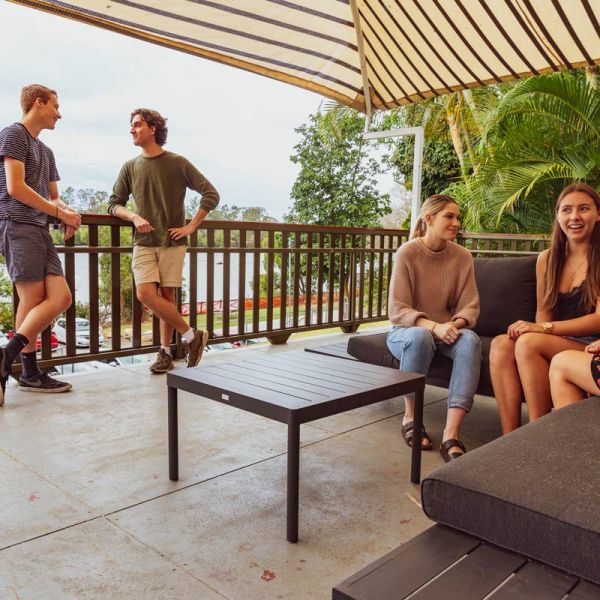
x,y
99,219
467,235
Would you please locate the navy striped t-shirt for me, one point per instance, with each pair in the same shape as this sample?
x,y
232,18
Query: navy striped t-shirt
x,y
40,169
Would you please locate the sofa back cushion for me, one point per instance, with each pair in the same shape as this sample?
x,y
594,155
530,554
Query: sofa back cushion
x,y
506,292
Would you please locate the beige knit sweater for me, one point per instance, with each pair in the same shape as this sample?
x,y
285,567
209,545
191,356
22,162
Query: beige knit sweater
x,y
436,285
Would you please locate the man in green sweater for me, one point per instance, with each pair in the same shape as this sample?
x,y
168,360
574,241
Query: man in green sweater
x,y
158,180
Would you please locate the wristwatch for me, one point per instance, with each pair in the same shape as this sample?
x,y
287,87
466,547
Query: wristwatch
x,y
547,326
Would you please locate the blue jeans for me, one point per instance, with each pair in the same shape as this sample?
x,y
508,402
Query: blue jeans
x,y
415,348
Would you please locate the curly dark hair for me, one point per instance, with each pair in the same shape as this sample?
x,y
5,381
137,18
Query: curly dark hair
x,y
156,120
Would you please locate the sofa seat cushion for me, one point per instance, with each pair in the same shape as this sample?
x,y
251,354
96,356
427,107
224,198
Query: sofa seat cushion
x,y
372,348
535,491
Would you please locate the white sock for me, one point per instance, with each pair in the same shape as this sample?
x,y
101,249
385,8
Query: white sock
x,y
166,350
188,336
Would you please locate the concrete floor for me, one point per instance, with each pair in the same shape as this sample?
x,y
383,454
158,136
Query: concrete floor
x,y
87,510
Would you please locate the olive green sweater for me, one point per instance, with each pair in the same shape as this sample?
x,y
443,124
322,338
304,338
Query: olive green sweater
x,y
158,187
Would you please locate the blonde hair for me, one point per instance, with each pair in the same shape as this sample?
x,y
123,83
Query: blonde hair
x,y
432,206
30,93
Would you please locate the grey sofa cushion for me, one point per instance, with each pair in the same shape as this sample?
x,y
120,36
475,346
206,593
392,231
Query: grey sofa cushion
x,y
535,491
506,292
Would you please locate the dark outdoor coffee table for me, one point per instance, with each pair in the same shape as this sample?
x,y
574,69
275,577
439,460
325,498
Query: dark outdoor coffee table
x,y
294,388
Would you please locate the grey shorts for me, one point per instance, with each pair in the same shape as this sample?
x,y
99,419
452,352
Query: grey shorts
x,y
29,252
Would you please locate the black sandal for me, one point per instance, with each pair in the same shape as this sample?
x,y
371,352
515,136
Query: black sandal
x,y
448,456
407,434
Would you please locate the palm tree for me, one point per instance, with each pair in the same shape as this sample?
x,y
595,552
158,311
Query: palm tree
x,y
544,134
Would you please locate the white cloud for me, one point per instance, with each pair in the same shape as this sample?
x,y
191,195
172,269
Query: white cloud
x,y
236,127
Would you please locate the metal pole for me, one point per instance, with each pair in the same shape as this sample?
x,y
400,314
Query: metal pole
x,y
419,134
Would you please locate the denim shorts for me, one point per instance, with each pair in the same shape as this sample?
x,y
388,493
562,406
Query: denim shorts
x,y
29,252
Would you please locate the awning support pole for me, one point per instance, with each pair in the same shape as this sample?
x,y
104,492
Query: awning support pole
x,y
363,64
419,134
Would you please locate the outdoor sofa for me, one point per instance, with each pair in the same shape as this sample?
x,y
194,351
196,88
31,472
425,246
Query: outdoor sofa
x,y
518,517
507,293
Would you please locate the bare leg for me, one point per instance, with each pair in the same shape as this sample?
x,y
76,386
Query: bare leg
x,y
164,309
571,378
533,352
506,382
166,331
39,303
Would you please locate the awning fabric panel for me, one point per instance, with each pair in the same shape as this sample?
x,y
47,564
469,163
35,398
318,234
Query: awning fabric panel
x,y
411,49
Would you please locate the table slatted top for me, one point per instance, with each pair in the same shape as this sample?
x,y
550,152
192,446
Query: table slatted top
x,y
311,385
445,563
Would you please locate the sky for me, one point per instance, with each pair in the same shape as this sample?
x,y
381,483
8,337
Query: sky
x,y
236,127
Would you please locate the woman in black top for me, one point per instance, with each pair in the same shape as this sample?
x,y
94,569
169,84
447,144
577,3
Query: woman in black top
x,y
568,312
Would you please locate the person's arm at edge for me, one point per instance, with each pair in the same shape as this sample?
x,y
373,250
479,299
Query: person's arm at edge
x,y
541,266
69,230
117,204
18,189
209,199
468,306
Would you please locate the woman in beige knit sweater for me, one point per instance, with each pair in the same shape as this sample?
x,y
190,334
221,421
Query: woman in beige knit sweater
x,y
433,303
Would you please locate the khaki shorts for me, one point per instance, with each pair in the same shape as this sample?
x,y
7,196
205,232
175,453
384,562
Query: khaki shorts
x,y
158,264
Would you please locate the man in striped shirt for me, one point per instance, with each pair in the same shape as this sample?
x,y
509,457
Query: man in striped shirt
x,y
28,197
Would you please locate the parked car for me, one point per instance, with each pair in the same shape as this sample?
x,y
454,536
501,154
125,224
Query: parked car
x,y
53,341
220,346
82,332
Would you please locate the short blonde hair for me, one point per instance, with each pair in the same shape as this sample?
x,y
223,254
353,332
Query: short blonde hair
x,y
433,205
30,93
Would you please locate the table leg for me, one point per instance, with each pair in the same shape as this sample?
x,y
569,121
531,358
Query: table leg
x,y
173,436
415,465
293,480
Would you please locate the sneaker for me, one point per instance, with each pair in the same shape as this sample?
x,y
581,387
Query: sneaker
x,y
4,374
196,347
43,383
163,362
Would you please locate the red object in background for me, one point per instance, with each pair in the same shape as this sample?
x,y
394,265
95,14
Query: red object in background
x,y
38,341
53,341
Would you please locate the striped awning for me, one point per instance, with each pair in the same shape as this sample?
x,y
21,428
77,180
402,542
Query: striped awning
x,y
363,53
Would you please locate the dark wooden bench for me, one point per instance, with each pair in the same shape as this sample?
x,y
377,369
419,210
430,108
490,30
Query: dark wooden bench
x,y
444,563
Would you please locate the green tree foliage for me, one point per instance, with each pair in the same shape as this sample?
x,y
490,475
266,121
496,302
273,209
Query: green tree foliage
x,y
337,182
543,135
6,301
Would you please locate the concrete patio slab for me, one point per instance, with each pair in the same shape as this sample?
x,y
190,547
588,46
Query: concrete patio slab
x,y
355,502
94,561
32,506
106,522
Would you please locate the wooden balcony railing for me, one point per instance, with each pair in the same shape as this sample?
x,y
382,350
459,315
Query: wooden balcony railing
x,y
242,280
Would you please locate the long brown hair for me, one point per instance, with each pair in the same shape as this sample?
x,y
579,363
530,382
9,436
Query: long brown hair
x,y
558,254
433,205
